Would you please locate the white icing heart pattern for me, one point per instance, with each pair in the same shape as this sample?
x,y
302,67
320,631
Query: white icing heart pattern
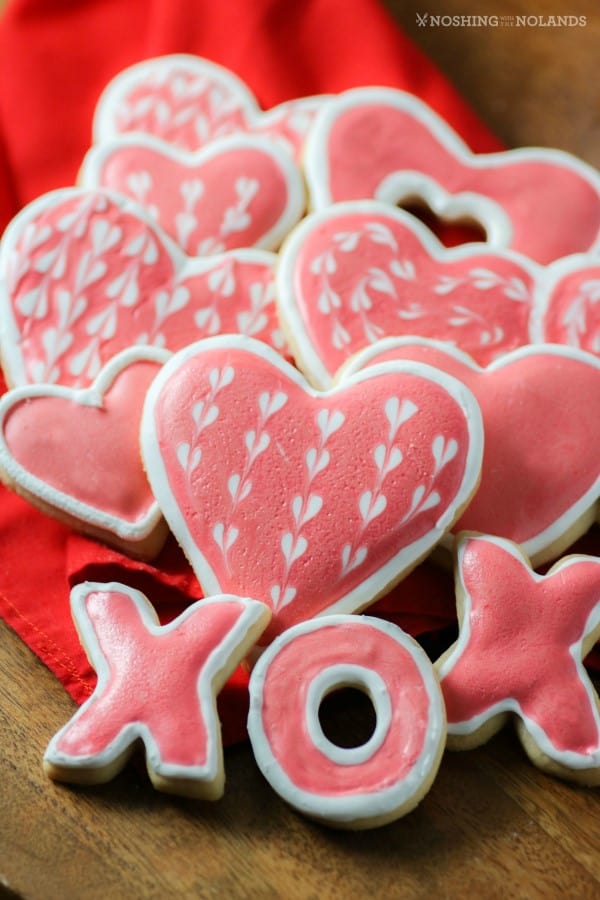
x,y
85,274
251,468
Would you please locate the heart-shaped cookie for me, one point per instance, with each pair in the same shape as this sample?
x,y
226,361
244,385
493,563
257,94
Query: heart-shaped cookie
x,y
310,502
567,306
240,191
85,274
387,144
359,271
188,101
75,453
540,479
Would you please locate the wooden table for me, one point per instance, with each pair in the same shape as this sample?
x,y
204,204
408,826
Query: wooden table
x,y
492,825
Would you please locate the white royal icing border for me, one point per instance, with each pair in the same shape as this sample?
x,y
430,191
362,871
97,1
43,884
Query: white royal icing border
x,y
214,665
92,396
355,808
567,758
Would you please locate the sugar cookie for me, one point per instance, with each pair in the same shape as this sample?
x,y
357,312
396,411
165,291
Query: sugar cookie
x,y
85,274
75,453
520,654
294,497
389,145
360,271
156,684
347,787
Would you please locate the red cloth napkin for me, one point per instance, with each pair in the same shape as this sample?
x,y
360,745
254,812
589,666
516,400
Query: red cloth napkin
x,y
56,56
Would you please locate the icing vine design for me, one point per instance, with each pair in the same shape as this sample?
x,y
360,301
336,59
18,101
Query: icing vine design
x,y
239,484
580,319
82,234
187,217
305,506
185,107
330,302
383,279
122,292
372,503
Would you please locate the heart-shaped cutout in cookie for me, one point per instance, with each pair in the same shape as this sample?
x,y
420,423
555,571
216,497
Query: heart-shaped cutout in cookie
x,y
188,101
360,271
540,479
85,274
298,498
238,192
75,453
389,145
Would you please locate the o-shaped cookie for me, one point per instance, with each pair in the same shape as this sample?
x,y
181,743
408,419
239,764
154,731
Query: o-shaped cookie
x,y
356,787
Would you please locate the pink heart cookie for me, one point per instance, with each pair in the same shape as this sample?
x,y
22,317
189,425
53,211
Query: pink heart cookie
x,y
359,271
386,144
567,308
296,497
540,480
75,453
85,274
188,101
238,192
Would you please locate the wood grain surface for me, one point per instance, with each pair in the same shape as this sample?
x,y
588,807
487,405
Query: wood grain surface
x,y
492,826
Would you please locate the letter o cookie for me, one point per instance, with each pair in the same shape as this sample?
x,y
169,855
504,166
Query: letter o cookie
x,y
357,787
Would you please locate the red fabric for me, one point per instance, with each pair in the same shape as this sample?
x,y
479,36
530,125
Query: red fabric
x,y
55,58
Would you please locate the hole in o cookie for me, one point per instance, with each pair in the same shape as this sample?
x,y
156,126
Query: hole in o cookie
x,y
449,233
347,717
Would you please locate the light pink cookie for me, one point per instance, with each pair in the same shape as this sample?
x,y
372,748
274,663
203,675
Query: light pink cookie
x,y
355,787
359,271
540,480
239,191
296,497
519,654
85,274
75,453
188,101
156,684
389,145
567,308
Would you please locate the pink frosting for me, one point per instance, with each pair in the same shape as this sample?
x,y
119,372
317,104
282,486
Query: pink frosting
x,y
86,275
154,682
284,698
361,271
250,468
84,445
549,201
541,470
236,193
520,646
